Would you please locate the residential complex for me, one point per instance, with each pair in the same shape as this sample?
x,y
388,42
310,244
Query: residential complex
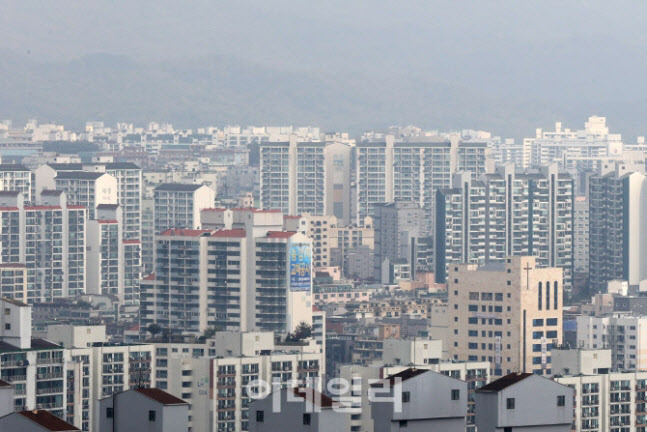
x,y
506,213
49,239
617,239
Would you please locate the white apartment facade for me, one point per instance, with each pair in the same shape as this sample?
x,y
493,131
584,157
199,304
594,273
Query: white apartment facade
x,y
15,177
232,279
178,205
483,220
625,335
49,239
88,189
412,169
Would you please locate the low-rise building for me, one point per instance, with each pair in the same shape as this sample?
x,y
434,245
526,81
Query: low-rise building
x,y
419,399
297,409
524,402
143,409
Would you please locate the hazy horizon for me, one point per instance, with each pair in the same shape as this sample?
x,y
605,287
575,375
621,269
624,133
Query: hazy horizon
x,y
503,66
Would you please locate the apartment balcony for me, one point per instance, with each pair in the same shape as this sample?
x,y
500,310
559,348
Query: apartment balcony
x,y
51,390
46,376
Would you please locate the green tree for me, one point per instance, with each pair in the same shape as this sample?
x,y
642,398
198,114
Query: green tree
x,y
154,329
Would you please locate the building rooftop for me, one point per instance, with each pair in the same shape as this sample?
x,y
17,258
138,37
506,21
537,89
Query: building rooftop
x,y
504,382
314,397
12,301
280,234
184,232
10,193
48,421
230,233
79,175
178,187
120,165
13,167
492,267
66,166
403,376
51,192
4,384
160,396
36,344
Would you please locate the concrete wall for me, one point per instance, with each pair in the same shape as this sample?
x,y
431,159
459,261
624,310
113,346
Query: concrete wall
x,y
131,413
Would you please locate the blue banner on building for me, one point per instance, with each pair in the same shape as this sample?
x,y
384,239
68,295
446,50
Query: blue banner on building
x,y
300,267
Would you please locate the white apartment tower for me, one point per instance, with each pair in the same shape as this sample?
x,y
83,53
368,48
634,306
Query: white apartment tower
x,y
88,189
575,151
178,205
506,213
412,170
249,275
15,177
49,239
617,234
129,187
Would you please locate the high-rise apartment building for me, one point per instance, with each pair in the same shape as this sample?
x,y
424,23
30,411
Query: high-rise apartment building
x,y
413,169
13,282
506,213
214,376
581,235
624,334
399,227
509,314
307,177
332,243
88,189
114,264
575,151
250,275
49,239
178,205
129,187
613,402
15,177
617,235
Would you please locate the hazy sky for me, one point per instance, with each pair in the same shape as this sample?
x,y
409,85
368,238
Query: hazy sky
x,y
573,57
302,31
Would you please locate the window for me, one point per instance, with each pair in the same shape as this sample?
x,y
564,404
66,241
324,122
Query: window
x,y
260,416
561,401
551,322
7,326
456,394
509,403
547,295
7,311
306,419
507,429
406,396
403,423
151,415
556,301
538,323
539,297
109,412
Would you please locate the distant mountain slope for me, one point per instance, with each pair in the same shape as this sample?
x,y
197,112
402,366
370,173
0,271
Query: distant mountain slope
x,y
227,90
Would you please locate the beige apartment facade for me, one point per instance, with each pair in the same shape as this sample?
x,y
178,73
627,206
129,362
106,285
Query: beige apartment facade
x,y
328,237
509,314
